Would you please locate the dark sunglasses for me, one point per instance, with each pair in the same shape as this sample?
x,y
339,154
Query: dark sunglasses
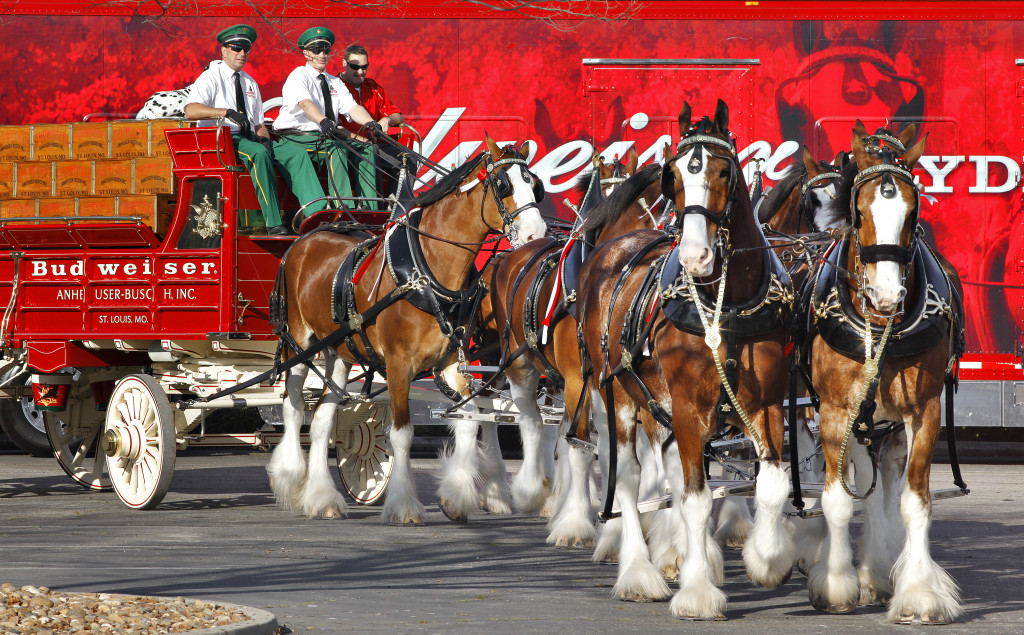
x,y
358,67
317,49
238,48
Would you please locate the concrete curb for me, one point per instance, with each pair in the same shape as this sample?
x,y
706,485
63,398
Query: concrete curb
x,y
260,623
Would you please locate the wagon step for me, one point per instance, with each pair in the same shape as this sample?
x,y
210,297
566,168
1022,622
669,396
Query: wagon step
x,y
939,494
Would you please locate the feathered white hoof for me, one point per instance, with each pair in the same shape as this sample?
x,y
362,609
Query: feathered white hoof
x,y
936,601
699,602
874,589
833,593
494,499
287,472
571,530
529,493
609,535
402,510
640,581
457,494
769,567
322,500
734,524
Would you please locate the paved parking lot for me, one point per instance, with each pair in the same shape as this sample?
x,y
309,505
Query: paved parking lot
x,y
219,536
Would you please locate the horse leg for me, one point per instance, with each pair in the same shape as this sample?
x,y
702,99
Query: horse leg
x,y
638,580
924,591
457,491
768,551
734,519
875,563
320,498
494,496
609,533
892,466
528,487
401,505
832,582
287,467
573,524
561,482
809,533
699,597
548,448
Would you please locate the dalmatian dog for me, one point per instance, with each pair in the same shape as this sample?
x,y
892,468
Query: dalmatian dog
x,y
168,104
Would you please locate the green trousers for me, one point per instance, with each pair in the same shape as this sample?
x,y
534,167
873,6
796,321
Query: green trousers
x,y
260,164
297,156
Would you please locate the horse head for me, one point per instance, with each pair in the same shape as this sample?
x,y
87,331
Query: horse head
x,y
517,192
884,206
700,180
617,171
818,191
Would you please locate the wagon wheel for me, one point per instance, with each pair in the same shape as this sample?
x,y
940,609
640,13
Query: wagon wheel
x,y
139,441
74,436
362,450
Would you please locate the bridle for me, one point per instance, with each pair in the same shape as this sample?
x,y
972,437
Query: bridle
x,y
829,174
496,181
889,171
701,141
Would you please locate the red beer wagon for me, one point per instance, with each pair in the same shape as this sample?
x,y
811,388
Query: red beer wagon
x,y
127,319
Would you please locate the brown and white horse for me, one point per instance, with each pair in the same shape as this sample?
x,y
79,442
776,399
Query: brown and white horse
x,y
885,276
634,307
529,298
491,192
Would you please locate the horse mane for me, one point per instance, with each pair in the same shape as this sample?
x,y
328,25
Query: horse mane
x,y
582,182
622,197
774,198
447,185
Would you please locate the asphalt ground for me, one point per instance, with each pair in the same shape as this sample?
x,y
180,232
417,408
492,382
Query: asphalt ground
x,y
219,536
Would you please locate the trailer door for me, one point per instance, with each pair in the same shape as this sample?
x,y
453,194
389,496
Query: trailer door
x,y
636,102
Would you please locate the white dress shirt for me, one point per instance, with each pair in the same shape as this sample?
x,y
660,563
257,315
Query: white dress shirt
x,y
216,88
304,83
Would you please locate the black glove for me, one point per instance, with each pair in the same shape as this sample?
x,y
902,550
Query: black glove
x,y
373,130
244,127
329,128
267,143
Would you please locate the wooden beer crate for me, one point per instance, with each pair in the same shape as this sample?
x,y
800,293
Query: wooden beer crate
x,y
97,206
50,207
113,178
74,178
33,179
129,139
15,143
51,142
18,207
153,175
90,140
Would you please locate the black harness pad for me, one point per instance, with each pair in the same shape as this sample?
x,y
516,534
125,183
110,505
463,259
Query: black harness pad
x,y
765,311
927,314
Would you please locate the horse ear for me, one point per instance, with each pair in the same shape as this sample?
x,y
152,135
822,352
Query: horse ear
x,y
722,117
632,159
597,160
684,119
524,152
492,146
914,154
859,129
907,134
840,160
857,144
810,164
668,152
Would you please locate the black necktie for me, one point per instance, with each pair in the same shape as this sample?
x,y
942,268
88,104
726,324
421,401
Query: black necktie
x,y
239,95
328,107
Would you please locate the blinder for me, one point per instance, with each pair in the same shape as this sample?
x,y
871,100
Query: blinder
x,y
807,202
889,171
699,136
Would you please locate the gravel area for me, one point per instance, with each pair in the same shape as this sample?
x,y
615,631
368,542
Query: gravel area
x,y
39,610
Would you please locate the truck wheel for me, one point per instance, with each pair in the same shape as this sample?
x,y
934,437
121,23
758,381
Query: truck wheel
x,y
362,451
25,426
139,441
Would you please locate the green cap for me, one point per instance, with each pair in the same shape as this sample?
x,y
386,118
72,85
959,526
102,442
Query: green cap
x,y
316,34
239,33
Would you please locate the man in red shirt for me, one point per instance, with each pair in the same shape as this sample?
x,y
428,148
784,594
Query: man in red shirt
x,y
371,96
